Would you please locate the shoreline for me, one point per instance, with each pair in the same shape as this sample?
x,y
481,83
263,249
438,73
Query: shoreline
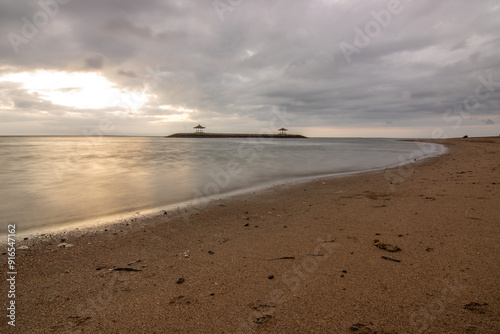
x,y
292,258
94,225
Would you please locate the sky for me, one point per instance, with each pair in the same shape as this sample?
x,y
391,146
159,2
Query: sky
x,y
321,68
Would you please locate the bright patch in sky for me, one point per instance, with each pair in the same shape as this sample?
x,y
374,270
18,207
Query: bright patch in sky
x,y
176,108
184,114
171,118
78,90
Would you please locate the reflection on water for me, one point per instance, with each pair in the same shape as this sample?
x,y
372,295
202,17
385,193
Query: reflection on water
x,y
48,181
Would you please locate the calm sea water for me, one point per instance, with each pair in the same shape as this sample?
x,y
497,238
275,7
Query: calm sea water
x,y
48,182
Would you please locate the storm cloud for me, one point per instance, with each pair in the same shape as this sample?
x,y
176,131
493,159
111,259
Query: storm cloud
x,y
334,68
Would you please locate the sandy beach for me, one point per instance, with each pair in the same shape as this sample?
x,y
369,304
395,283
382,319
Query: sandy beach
x,y
295,258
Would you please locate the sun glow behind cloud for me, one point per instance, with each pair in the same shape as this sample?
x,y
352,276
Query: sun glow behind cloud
x,y
183,114
77,90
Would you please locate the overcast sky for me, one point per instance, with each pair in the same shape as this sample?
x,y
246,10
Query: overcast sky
x,y
329,68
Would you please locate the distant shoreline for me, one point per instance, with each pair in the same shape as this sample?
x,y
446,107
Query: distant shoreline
x,y
232,135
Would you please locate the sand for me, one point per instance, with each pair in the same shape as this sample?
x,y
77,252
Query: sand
x,y
295,258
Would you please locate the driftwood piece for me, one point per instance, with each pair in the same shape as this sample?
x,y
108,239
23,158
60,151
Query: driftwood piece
x,y
283,258
126,269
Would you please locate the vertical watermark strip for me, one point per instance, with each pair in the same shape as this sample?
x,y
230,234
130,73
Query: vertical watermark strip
x,y
11,274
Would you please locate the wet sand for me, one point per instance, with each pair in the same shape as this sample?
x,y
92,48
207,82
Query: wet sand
x,y
295,258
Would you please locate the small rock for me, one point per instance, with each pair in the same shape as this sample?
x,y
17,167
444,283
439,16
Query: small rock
x,y
247,224
476,307
270,277
26,238
65,245
210,252
222,204
23,247
264,318
212,294
387,247
344,271
165,212
63,240
360,328
180,280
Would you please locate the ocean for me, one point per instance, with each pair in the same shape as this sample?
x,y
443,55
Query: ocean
x,y
53,182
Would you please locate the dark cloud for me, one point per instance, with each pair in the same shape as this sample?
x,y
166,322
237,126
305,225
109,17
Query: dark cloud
x,y
233,66
129,74
94,62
